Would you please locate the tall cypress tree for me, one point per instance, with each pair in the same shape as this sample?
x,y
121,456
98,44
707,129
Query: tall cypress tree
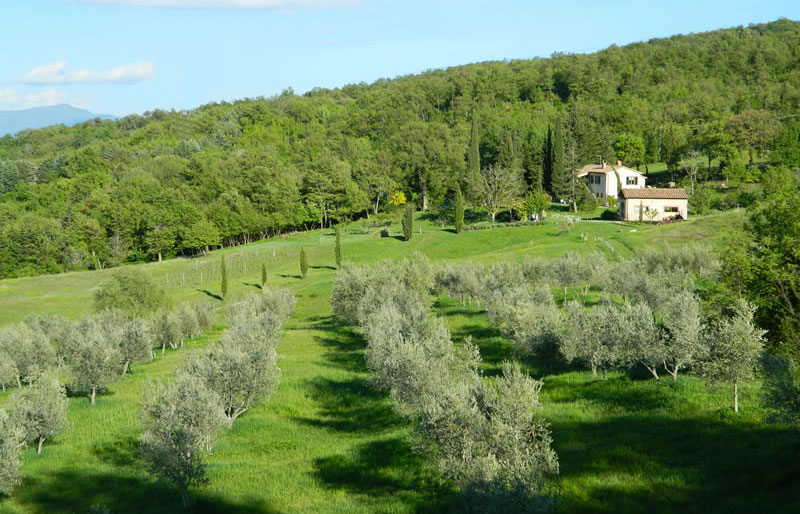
x,y
561,174
547,160
459,210
263,274
474,154
338,247
224,273
303,262
408,222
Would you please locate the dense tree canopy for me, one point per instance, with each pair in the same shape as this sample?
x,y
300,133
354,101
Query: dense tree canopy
x,y
151,186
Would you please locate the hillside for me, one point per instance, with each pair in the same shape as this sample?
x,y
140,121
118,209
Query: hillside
x,y
12,122
327,442
175,183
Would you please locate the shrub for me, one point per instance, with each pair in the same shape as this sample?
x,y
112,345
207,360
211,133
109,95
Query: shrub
x,y
132,292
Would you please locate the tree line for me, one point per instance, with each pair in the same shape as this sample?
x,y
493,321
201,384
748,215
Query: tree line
x,y
485,437
89,355
152,186
182,418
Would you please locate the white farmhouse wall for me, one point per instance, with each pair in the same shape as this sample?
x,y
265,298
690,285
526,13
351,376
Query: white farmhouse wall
x,y
630,208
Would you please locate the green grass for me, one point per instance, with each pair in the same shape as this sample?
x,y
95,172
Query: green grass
x,y
326,442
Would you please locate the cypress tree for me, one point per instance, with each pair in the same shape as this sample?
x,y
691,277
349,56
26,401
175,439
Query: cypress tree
x,y
263,274
561,174
547,160
473,154
303,262
224,273
408,222
338,247
459,210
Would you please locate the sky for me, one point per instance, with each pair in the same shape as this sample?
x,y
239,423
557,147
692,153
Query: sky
x,y
129,56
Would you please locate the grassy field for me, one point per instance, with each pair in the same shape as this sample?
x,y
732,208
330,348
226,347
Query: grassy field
x,y
325,442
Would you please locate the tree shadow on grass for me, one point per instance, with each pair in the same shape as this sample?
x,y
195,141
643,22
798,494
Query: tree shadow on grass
x,y
210,294
351,406
127,492
289,275
323,267
658,463
383,468
257,286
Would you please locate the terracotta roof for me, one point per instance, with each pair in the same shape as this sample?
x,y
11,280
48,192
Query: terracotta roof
x,y
656,193
598,168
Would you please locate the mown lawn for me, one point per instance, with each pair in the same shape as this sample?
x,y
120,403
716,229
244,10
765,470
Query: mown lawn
x,y
326,442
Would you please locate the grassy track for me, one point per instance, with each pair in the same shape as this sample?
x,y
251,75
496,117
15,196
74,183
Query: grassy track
x,y
326,442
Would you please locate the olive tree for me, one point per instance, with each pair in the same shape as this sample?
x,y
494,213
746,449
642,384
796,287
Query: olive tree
x,y
206,314
190,327
168,330
8,371
588,335
242,368
682,320
137,342
96,360
56,329
31,352
638,336
40,410
733,346
185,402
12,441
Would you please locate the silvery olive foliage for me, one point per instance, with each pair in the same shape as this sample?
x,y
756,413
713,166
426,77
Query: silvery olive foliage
x,y
733,347
588,336
40,410
12,442
683,325
95,358
484,437
183,418
242,368
137,342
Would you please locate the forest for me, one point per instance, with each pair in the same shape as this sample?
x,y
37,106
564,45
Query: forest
x,y
152,186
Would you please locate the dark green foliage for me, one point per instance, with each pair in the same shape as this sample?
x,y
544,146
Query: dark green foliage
x,y
408,222
263,274
560,174
338,248
459,211
132,291
303,262
167,183
763,264
782,388
224,272
547,160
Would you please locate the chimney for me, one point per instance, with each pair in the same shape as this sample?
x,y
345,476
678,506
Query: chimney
x,y
604,164
619,163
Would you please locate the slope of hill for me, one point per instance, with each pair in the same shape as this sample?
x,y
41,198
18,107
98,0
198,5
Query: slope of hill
x,y
327,442
172,183
12,122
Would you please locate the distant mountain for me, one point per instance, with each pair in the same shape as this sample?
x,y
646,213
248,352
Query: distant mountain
x,y
12,122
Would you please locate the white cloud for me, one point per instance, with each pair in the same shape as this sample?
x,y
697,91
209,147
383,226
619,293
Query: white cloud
x,y
230,4
53,73
11,99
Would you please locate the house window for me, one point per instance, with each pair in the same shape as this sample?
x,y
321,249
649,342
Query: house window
x,y
631,181
670,209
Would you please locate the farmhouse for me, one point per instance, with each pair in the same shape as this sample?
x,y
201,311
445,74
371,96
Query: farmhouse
x,y
653,204
605,180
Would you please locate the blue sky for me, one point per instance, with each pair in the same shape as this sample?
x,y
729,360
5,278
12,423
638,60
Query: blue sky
x,y
124,56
